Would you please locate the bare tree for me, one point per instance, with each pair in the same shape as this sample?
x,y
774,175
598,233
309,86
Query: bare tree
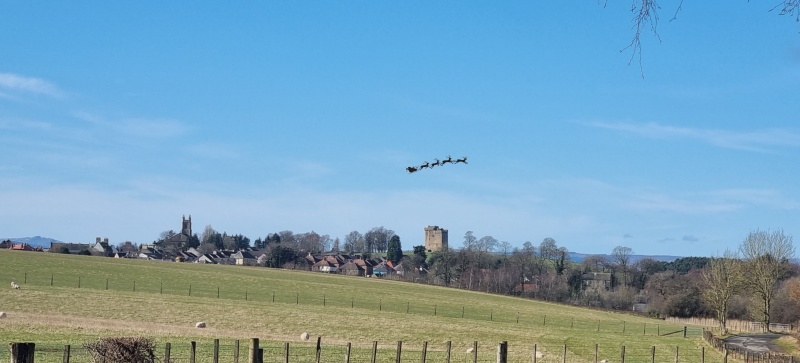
x,y
377,239
622,257
646,15
548,249
766,254
723,279
469,240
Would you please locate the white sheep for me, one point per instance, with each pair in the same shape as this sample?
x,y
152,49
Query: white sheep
x,y
604,361
201,324
539,354
14,285
304,336
470,349
2,315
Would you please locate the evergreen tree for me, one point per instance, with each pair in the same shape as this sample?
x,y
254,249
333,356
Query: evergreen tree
x,y
394,251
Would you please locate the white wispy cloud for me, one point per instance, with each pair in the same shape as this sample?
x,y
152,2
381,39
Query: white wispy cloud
x,y
755,140
14,82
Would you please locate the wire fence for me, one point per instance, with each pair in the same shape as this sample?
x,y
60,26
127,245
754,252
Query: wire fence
x,y
449,310
309,352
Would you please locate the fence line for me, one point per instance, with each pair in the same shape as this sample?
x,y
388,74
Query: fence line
x,y
743,354
735,325
262,294
310,352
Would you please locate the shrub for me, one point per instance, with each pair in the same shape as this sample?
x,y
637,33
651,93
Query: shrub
x,y
122,350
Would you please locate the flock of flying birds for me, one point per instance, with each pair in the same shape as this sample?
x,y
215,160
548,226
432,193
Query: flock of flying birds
x,y
427,165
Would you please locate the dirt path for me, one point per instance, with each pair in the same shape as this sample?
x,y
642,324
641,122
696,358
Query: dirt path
x,y
758,343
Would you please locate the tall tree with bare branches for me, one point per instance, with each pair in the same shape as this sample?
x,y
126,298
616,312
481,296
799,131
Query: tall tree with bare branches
x,y
723,278
766,255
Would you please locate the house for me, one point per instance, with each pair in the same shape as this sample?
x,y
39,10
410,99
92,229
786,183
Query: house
x,y
150,252
324,266
206,258
244,258
6,244
101,248
23,247
357,267
187,256
383,268
597,279
127,248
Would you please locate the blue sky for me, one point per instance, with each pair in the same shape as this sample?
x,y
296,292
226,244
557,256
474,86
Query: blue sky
x,y
118,118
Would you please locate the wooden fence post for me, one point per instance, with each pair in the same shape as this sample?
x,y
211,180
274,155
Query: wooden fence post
x,y
167,348
67,352
703,355
216,350
22,352
374,351
676,354
475,351
653,354
319,348
502,352
235,351
564,358
286,352
596,350
347,354
447,355
622,354
253,350
260,355
192,352
399,351
424,351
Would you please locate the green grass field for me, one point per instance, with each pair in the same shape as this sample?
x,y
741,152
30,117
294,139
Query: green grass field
x,y
68,299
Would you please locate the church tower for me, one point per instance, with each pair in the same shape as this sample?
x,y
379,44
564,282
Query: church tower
x,y
186,226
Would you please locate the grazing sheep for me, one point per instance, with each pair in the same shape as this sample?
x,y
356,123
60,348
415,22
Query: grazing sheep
x,y
470,349
14,285
604,361
539,354
304,336
2,315
201,324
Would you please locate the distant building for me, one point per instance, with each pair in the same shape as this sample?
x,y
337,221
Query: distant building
x,y
102,248
177,241
71,248
435,238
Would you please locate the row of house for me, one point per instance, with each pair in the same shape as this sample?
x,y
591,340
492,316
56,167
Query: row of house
x,y
353,265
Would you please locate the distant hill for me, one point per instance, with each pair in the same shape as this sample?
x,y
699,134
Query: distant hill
x,y
36,241
578,257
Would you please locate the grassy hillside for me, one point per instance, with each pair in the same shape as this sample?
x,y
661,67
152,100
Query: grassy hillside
x,y
93,296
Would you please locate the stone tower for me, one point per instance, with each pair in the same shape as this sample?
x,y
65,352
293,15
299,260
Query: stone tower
x,y
435,238
186,226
